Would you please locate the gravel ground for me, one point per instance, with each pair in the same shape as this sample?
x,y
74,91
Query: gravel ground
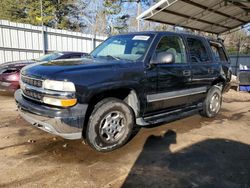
x,y
192,152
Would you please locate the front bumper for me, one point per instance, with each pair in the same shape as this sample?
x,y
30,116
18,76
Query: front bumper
x,y
9,87
67,123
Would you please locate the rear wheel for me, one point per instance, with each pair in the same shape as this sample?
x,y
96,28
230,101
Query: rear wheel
x,y
110,125
212,103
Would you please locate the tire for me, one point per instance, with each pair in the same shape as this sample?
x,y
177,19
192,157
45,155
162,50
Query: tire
x,y
110,125
212,103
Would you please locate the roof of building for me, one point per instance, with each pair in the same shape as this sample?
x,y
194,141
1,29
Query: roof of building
x,y
212,16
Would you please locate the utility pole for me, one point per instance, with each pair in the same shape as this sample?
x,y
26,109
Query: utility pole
x,y
237,58
43,34
138,13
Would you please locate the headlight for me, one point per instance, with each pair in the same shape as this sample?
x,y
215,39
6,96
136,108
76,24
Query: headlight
x,y
59,85
59,102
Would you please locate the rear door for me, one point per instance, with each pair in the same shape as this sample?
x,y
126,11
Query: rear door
x,y
172,79
220,56
204,69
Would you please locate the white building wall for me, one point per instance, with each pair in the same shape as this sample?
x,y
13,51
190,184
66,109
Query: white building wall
x,y
24,41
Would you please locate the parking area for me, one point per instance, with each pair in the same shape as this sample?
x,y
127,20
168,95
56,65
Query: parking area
x,y
191,152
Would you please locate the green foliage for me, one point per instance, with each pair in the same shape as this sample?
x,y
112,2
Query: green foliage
x,y
13,10
61,14
112,7
109,17
116,21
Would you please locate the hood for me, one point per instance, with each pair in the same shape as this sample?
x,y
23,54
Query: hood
x,y
15,64
13,67
61,69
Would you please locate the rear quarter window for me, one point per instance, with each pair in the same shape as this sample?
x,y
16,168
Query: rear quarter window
x,y
218,52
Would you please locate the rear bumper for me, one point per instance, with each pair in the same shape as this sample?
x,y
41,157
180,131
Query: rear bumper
x,y
67,123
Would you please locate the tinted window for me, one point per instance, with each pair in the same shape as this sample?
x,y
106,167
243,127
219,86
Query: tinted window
x,y
174,45
74,56
218,52
197,50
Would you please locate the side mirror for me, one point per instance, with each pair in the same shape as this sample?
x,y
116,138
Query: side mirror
x,y
164,58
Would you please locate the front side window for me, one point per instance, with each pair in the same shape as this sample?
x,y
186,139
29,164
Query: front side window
x,y
126,47
197,51
75,56
174,45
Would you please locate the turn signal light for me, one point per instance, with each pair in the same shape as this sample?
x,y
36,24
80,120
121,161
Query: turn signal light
x,y
59,102
68,102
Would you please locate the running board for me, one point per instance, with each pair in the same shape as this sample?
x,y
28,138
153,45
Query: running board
x,y
168,116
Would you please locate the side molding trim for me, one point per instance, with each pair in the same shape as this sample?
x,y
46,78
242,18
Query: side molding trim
x,y
175,94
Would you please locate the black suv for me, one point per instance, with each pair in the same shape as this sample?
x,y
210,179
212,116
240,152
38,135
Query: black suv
x,y
134,79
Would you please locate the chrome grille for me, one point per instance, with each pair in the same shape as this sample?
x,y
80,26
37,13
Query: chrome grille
x,y
32,81
33,95
31,88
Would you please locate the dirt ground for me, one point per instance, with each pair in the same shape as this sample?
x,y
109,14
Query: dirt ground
x,y
192,152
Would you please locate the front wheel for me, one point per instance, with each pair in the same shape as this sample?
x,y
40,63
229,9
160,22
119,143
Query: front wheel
x,y
212,103
110,125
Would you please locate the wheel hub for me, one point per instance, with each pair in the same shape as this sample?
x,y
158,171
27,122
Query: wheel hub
x,y
215,103
112,126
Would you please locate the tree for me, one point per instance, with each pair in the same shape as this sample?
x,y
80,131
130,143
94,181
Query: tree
x,y
112,10
94,17
70,14
137,6
13,10
239,40
61,14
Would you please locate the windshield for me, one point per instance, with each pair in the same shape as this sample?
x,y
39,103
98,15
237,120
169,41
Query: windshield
x,y
49,57
126,47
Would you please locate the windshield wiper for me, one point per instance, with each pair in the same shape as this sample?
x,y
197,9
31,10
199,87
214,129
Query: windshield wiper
x,y
89,55
110,56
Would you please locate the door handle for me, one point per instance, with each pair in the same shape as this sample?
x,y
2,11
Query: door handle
x,y
186,73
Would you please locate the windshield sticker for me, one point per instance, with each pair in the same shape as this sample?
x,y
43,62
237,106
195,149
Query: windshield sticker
x,y
141,37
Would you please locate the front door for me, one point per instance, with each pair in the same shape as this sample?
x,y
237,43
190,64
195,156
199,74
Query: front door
x,y
172,79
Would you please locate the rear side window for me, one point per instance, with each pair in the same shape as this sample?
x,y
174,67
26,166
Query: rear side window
x,y
174,45
197,51
75,56
71,56
218,52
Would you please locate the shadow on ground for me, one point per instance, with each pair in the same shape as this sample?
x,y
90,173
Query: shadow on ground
x,y
210,163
